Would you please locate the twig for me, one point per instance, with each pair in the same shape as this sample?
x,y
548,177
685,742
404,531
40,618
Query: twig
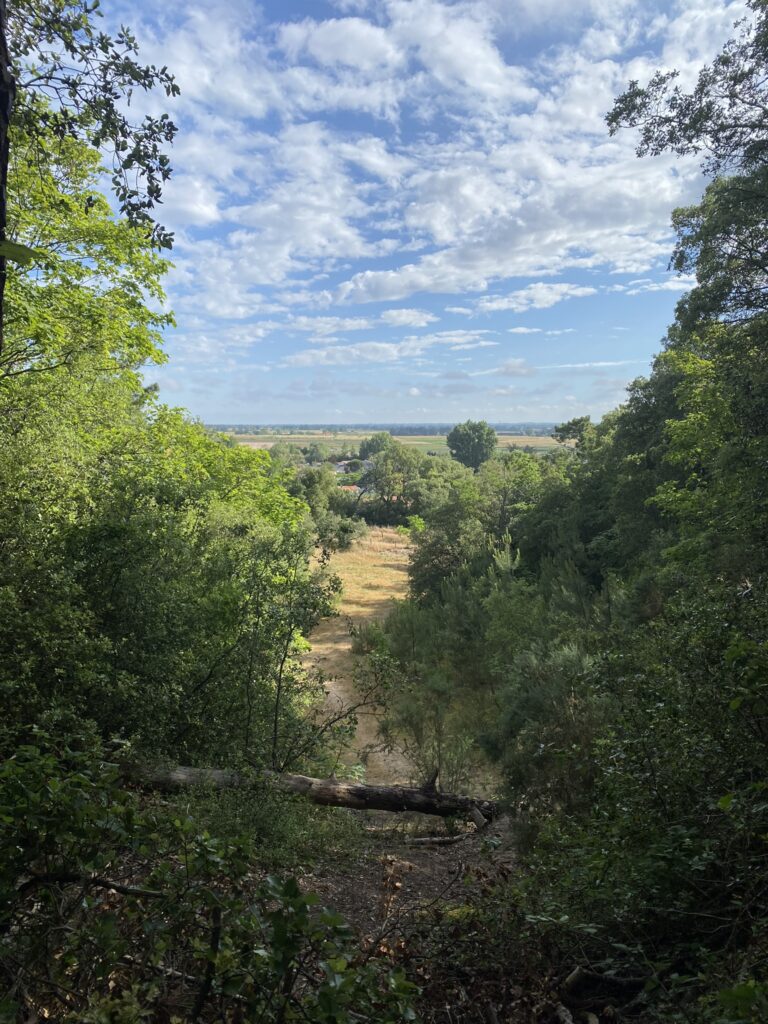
x,y
90,881
210,967
439,840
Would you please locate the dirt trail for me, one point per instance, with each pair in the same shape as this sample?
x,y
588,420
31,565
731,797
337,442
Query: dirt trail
x,y
374,572
385,887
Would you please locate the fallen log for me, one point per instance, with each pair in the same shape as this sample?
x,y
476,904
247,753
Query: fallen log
x,y
332,792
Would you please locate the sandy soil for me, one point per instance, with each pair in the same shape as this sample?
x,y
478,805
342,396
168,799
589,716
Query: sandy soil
x,y
374,572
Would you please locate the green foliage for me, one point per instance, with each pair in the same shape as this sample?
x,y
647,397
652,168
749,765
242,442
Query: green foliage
x,y
71,84
472,443
376,443
391,482
284,831
96,287
579,429
154,580
596,620
111,913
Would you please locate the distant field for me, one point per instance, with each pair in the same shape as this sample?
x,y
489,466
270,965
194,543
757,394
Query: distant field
x,y
424,442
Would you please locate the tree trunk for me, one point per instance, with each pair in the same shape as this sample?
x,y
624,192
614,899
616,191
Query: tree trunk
x,y
333,792
7,96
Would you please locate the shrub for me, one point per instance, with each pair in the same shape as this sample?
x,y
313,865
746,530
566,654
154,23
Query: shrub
x,y
109,913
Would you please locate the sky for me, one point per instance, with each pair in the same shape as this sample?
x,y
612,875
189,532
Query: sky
x,y
411,210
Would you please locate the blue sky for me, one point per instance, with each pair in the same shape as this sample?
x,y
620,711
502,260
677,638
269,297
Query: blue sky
x,y
410,210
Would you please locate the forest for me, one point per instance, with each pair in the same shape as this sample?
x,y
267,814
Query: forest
x,y
583,640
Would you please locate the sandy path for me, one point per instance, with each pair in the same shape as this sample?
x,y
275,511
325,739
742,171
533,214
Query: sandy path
x,y
374,572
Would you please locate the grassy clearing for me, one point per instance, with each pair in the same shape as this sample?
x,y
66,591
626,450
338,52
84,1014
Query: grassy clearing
x,y
374,573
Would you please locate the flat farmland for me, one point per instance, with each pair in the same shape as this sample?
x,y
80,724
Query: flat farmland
x,y
350,439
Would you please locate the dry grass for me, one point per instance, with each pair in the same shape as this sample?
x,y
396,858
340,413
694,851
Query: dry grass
x,y
374,572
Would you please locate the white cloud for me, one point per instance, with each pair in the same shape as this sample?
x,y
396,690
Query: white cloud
x,y
510,368
352,42
593,365
473,344
455,44
400,148
515,368
373,156
408,317
322,326
535,296
675,284
386,352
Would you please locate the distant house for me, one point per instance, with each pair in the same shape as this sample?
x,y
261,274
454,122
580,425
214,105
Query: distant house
x,y
351,488
350,466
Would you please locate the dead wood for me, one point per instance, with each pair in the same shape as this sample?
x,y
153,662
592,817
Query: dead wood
x,y
331,792
439,840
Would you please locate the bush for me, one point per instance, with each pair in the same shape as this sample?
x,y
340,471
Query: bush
x,y
109,913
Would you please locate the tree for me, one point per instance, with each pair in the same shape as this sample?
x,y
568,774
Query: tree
x,y
61,78
723,238
395,470
579,429
316,452
725,116
472,443
96,287
378,442
84,77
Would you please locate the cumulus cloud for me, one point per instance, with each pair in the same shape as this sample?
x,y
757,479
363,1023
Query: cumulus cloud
x,y
408,317
404,148
534,296
386,352
672,284
352,42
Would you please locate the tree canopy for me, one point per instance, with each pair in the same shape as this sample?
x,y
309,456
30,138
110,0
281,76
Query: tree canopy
x,y
71,82
377,442
472,443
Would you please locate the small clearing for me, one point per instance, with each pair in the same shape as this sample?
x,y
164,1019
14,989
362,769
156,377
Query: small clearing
x,y
374,573
387,888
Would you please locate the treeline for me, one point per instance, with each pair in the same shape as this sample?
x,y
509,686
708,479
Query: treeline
x,y
594,624
396,429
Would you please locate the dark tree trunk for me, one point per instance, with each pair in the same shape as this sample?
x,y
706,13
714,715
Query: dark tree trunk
x,y
7,96
332,792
